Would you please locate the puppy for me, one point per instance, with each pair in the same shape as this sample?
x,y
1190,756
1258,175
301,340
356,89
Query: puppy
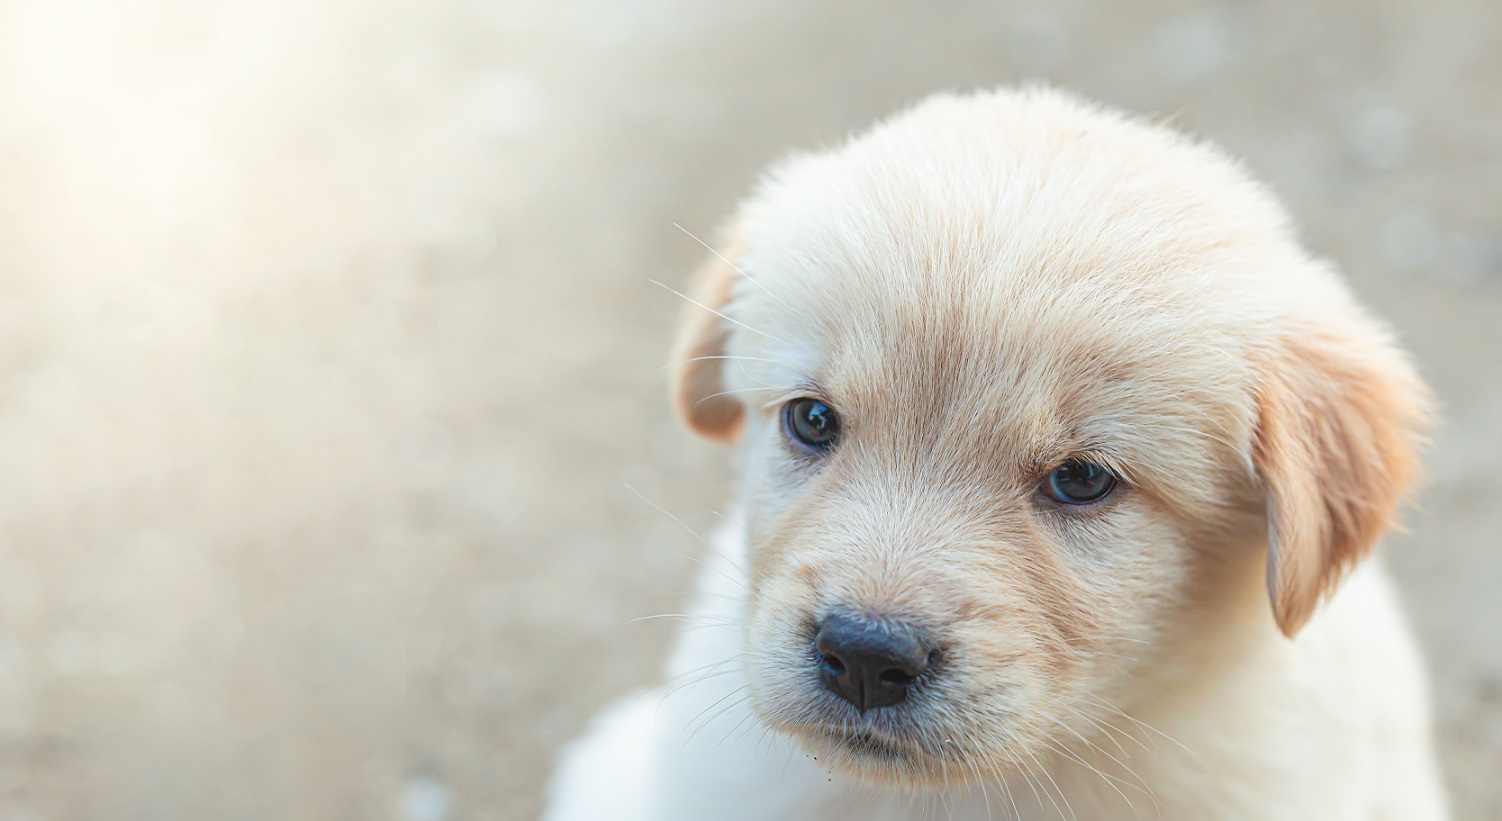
x,y
1062,464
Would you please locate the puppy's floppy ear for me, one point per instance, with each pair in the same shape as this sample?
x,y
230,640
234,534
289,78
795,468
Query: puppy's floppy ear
x,y
698,370
1336,447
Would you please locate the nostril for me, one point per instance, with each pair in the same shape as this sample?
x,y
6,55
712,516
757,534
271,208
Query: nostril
x,y
833,665
896,678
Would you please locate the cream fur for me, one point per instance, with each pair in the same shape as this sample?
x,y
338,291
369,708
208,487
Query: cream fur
x,y
984,287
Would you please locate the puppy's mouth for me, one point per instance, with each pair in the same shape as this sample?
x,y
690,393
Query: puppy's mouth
x,y
864,744
878,758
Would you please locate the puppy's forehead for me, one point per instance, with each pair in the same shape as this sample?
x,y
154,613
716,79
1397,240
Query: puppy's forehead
x,y
1006,193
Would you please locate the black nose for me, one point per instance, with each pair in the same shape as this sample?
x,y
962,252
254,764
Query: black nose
x,y
870,662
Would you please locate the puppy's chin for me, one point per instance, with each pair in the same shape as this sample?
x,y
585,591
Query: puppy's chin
x,y
888,759
871,757
877,759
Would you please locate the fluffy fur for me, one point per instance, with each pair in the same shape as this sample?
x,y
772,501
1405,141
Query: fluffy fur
x,y
985,287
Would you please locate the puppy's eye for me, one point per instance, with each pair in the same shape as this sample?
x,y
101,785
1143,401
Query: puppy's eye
x,y
1078,482
810,423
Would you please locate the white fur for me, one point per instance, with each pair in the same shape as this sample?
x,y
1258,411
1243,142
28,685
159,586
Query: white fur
x,y
985,287
1330,727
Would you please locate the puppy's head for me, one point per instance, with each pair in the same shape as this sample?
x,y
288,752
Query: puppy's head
x,y
1029,396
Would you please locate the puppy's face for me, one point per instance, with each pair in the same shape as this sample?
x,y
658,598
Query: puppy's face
x,y
1019,386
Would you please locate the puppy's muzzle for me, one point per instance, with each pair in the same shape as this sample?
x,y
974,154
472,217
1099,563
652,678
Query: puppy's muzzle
x,y
870,661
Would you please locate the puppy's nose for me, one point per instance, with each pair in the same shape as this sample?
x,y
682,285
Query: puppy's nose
x,y
869,662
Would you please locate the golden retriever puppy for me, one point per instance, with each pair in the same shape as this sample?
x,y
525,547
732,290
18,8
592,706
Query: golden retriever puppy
x,y
1062,467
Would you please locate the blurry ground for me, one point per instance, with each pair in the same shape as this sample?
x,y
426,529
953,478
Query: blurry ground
x,y
327,348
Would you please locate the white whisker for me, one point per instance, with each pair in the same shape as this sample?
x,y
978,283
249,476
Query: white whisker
x,y
707,544
737,268
1144,725
719,314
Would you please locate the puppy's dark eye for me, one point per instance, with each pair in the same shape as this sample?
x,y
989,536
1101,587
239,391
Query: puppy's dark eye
x,y
1078,482
811,424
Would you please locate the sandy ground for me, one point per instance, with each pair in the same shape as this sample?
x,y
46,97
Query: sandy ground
x,y
327,351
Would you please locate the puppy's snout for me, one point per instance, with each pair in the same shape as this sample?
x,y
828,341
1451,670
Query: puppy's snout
x,y
870,661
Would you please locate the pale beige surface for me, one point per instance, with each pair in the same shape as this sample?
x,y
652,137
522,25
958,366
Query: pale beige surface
x,y
328,351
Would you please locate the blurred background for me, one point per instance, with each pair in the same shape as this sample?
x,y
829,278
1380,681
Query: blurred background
x,y
328,351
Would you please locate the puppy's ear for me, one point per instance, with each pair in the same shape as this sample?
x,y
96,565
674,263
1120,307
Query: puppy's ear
x,y
698,368
1336,448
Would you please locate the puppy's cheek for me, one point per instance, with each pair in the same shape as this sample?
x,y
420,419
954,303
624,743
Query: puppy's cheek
x,y
773,479
779,632
1118,576
1003,665
1136,583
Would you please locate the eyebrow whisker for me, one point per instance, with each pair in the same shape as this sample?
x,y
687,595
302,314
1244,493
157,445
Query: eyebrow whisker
x,y
719,314
745,390
737,268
